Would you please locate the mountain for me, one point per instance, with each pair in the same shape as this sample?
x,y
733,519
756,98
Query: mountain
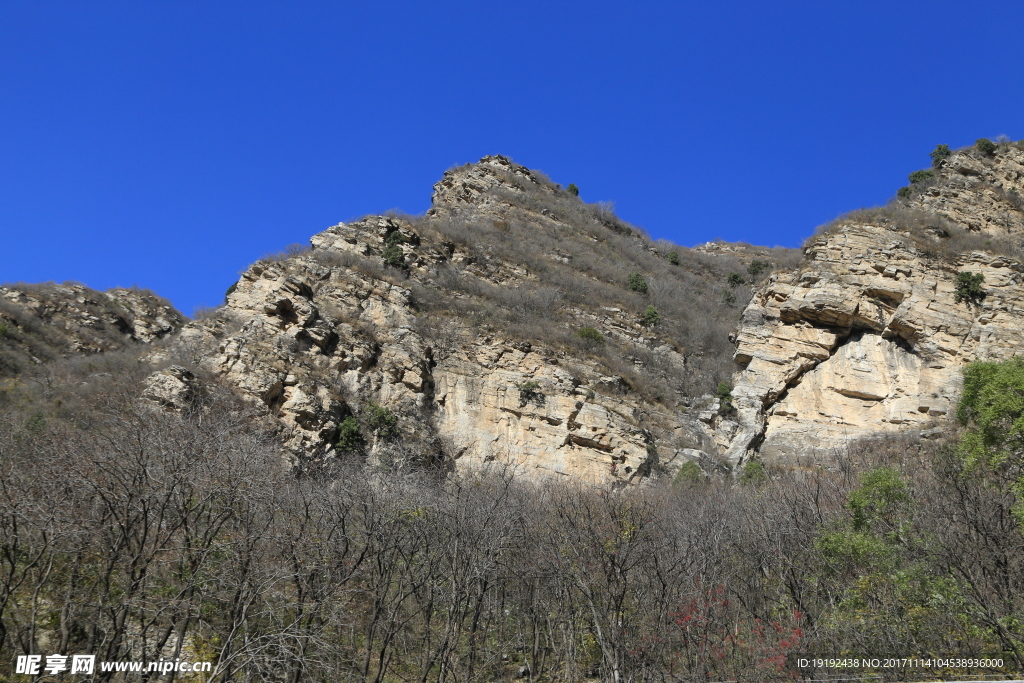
x,y
511,323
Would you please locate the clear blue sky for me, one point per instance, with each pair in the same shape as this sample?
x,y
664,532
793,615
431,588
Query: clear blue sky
x,y
170,144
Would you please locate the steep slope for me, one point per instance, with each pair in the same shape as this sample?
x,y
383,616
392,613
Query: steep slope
x,y
42,322
500,327
869,335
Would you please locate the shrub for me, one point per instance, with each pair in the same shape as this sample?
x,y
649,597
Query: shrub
x,y
985,146
940,154
573,190
904,193
637,283
394,256
651,317
382,421
757,267
590,334
921,176
673,258
968,287
690,474
529,392
724,395
348,437
231,290
753,474
735,279
3,330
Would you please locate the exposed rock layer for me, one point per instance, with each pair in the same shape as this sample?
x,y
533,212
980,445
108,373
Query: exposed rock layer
x,y
867,336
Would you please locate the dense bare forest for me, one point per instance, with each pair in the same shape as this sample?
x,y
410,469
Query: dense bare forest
x,y
136,534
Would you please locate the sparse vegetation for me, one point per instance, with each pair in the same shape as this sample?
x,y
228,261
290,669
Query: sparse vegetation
x,y
968,287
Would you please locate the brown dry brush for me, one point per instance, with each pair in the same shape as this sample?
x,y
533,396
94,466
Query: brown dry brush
x,y
134,533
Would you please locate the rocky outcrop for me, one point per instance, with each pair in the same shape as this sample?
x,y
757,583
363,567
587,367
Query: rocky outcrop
x,y
868,337
982,192
47,321
331,333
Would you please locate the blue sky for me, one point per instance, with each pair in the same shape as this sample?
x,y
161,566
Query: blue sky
x,y
169,145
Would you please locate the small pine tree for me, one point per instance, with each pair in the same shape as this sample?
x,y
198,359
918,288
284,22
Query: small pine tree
x,y
735,279
940,154
985,146
573,190
651,317
591,335
921,176
382,421
904,193
673,258
757,267
753,474
690,474
637,283
968,287
348,437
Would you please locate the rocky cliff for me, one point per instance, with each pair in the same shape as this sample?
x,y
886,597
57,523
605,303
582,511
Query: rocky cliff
x,y
43,322
870,333
500,327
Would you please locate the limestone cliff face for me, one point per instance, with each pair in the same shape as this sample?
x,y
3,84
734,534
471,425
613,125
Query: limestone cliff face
x,y
867,336
328,334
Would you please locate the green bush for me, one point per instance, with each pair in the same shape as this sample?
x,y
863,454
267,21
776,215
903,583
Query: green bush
x,y
637,283
690,474
573,190
921,176
231,290
992,407
985,146
3,330
590,334
651,317
735,279
382,421
394,256
529,392
753,474
940,154
757,267
673,258
348,437
968,287
904,193
724,395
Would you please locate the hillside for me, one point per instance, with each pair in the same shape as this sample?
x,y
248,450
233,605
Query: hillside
x,y
44,322
512,322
